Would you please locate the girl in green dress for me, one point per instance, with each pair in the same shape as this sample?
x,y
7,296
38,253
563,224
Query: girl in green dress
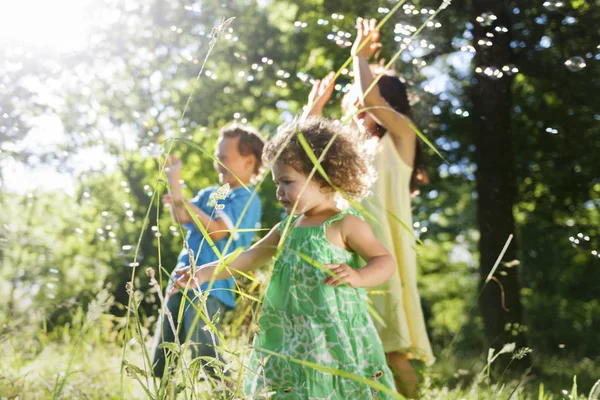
x,y
316,338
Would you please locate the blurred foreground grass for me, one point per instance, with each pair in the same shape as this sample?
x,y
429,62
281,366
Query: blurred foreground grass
x,y
86,357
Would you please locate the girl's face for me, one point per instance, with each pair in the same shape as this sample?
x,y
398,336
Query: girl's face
x,y
289,184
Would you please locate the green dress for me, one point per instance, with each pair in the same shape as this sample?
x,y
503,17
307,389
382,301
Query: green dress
x,y
304,319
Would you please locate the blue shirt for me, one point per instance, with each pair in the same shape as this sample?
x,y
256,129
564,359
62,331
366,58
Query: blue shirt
x,y
233,205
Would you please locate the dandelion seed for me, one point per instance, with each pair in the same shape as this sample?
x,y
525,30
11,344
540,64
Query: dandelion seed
x,y
486,19
513,263
553,5
575,64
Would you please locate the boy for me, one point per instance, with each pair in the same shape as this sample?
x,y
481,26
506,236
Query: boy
x,y
239,148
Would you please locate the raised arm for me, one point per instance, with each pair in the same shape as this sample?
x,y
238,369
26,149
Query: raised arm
x,y
359,237
319,96
394,122
257,255
175,195
179,205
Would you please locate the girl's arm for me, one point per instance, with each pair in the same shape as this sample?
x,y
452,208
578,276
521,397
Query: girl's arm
x,y
319,96
394,122
359,237
257,255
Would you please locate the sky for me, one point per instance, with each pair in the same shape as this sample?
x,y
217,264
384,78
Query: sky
x,y
60,27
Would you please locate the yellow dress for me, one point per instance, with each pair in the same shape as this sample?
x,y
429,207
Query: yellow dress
x,y
397,301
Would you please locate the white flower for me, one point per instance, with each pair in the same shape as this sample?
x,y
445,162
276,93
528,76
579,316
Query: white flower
x,y
445,4
220,194
223,192
212,199
508,348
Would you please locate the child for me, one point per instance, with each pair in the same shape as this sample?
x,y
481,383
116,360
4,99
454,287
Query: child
x,y
400,166
239,150
400,169
315,307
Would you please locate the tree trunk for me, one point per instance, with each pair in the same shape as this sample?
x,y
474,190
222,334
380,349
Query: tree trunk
x,y
499,303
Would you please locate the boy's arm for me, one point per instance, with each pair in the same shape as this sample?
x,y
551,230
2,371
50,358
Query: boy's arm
x,y
257,255
216,228
175,197
173,173
177,203
359,237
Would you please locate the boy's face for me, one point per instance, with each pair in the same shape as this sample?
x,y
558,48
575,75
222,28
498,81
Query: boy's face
x,y
240,166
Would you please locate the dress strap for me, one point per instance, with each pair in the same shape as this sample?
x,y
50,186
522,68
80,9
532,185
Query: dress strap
x,y
342,214
285,220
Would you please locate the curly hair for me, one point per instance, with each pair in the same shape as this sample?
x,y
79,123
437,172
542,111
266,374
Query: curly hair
x,y
347,164
250,142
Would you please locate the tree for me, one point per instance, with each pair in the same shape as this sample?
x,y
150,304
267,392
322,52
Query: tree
x,y
496,186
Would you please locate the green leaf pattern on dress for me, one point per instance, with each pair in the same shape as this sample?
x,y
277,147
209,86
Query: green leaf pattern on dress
x,y
304,319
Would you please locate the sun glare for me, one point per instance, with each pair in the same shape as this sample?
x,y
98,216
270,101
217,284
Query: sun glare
x,y
59,26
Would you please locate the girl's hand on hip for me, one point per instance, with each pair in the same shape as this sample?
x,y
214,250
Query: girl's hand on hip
x,y
344,274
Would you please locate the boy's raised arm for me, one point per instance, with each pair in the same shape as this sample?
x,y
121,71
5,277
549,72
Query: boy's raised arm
x,y
179,205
